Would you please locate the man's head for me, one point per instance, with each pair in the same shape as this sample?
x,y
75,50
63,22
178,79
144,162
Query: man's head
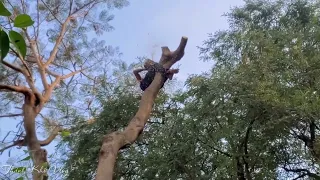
x,y
148,63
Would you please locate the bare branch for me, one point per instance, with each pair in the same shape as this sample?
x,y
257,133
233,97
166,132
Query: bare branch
x,y
73,73
23,6
19,89
13,67
28,78
58,41
51,73
45,142
70,7
48,91
11,115
87,4
310,174
175,56
31,84
38,22
16,143
51,11
166,53
52,136
23,62
41,68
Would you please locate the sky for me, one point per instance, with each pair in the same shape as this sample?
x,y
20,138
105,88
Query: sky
x,y
144,26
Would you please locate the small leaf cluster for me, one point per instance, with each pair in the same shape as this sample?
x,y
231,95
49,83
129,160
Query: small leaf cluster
x,y
16,39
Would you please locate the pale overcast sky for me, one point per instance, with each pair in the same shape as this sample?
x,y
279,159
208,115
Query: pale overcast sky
x,y
146,25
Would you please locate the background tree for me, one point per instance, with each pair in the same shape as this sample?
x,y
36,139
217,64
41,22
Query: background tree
x,y
59,65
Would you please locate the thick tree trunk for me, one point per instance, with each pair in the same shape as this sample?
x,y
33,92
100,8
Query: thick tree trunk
x,y
38,155
113,142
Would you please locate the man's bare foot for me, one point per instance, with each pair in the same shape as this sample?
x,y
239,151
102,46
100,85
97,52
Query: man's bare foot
x,y
170,76
173,71
170,73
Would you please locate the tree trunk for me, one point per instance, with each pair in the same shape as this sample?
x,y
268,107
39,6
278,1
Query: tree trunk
x,y
113,142
38,155
240,170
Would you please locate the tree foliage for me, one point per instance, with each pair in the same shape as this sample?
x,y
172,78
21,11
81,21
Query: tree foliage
x,y
52,59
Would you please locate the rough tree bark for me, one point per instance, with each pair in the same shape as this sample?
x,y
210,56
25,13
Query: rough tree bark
x,y
114,141
33,103
39,156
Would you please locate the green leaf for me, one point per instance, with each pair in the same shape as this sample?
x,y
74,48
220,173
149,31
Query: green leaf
x,y
18,41
3,10
19,169
4,44
65,133
45,165
20,178
25,151
26,158
22,21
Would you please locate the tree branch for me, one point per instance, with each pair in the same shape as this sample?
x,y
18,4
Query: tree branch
x,y
28,78
54,74
19,89
16,143
18,55
70,6
80,8
245,145
168,59
154,122
306,171
45,4
31,84
48,92
38,23
72,74
113,142
218,150
10,115
57,81
58,41
13,67
41,68
312,127
51,137
45,142
26,66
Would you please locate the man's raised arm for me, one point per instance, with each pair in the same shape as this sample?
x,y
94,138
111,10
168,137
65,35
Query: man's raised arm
x,y
136,73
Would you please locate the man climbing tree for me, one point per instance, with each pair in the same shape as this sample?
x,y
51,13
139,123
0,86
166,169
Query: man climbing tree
x,y
115,141
152,68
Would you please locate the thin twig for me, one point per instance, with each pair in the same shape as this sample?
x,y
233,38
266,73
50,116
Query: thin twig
x,y
11,115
